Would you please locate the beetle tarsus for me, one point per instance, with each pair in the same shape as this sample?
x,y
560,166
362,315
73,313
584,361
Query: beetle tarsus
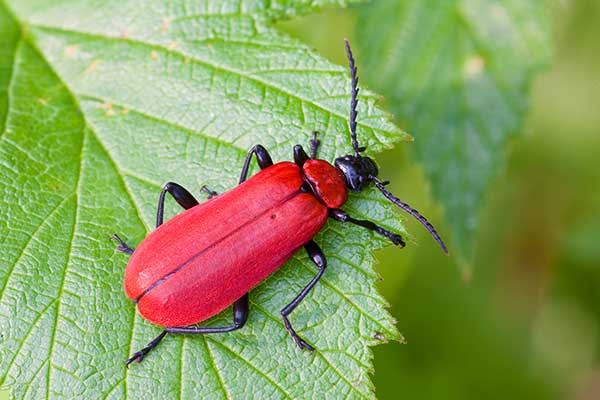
x,y
299,341
397,240
139,356
211,193
314,145
316,255
305,346
122,247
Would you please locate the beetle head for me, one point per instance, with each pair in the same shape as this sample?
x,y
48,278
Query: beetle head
x,y
357,170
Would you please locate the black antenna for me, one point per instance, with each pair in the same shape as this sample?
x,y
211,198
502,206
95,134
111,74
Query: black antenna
x,y
354,100
381,186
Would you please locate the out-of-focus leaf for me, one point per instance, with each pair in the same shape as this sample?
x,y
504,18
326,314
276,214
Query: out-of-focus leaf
x,y
456,74
101,103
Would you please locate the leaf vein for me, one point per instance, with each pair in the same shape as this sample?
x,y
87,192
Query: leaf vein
x,y
217,67
69,259
30,241
213,361
252,366
316,351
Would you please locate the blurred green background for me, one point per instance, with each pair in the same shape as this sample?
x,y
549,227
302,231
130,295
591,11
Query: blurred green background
x,y
527,324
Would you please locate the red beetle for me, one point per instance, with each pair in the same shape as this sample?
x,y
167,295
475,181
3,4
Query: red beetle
x,y
176,275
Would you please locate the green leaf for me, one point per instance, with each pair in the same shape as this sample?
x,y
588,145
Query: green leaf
x,y
101,103
457,75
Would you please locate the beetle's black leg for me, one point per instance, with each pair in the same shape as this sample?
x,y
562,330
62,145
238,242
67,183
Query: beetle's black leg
x,y
300,156
314,145
317,256
139,356
262,157
240,316
241,310
180,194
343,216
122,247
211,193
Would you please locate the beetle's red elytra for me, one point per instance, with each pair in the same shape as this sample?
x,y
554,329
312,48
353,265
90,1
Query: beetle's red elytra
x,y
206,251
211,255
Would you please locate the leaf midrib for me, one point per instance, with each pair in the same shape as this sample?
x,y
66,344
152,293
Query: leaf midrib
x,y
85,127
61,285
